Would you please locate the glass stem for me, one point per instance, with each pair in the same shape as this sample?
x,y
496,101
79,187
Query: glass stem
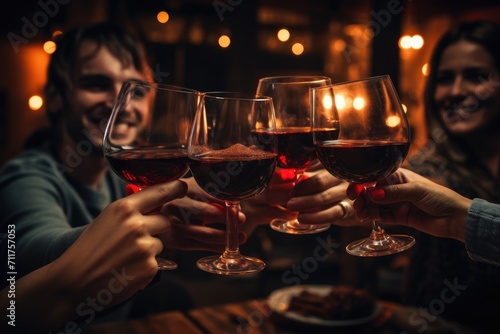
x,y
232,238
298,175
378,232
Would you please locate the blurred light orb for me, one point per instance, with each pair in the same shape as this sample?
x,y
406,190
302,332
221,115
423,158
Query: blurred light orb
x,y
405,42
417,42
392,121
425,69
49,47
224,41
283,35
297,49
35,102
327,102
162,17
358,103
340,101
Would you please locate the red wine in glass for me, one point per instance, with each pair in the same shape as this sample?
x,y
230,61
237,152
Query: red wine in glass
x,y
232,155
249,175
291,98
145,142
295,148
147,167
372,141
362,161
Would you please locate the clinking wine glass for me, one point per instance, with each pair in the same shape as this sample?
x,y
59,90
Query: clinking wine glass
x,y
362,135
232,156
146,137
296,150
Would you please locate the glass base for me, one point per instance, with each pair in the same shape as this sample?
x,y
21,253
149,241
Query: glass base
x,y
164,264
380,244
242,265
294,227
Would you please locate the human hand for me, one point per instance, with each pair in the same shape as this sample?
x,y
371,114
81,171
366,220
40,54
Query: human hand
x,y
317,198
117,250
271,203
190,217
406,198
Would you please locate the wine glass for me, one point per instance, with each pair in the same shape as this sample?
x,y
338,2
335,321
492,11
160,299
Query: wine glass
x,y
232,155
362,135
146,137
296,150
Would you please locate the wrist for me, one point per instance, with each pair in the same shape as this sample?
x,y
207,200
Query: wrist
x,y
460,219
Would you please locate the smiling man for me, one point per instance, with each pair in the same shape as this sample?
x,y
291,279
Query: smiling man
x,y
70,213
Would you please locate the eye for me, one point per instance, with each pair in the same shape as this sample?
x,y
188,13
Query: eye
x,y
478,77
95,83
444,78
139,92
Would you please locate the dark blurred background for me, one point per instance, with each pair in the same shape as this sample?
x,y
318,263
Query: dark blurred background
x,y
343,39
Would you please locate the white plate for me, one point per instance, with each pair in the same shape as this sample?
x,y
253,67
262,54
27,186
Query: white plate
x,y
279,300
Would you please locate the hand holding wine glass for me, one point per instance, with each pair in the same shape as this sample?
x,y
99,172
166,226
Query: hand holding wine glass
x,y
296,151
147,134
362,136
232,156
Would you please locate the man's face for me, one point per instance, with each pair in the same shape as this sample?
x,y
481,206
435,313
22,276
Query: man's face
x,y
96,87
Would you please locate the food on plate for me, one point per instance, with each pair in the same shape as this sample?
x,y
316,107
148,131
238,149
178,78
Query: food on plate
x,y
342,302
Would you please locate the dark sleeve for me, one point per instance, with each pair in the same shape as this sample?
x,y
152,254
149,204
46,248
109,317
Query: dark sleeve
x,y
482,234
35,207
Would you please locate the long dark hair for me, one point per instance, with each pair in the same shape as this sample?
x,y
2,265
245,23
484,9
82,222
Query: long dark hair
x,y
453,148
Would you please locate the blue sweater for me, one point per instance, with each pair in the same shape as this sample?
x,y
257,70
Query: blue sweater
x,y
482,234
48,208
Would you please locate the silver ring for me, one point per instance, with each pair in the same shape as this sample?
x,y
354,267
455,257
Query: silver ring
x,y
346,208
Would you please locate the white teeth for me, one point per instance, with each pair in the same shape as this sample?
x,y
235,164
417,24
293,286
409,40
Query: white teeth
x,y
121,127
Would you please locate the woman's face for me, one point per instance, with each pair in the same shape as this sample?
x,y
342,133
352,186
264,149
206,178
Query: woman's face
x,y
467,92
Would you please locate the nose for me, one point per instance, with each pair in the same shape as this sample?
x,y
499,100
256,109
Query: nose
x,y
458,87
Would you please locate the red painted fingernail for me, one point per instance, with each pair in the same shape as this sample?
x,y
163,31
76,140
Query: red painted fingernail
x,y
131,189
377,194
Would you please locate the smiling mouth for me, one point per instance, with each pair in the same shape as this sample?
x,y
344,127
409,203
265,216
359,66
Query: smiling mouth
x,y
460,110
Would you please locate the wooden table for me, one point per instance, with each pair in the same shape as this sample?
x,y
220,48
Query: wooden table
x,y
252,316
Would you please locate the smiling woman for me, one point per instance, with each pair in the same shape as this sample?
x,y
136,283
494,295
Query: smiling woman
x,y
462,105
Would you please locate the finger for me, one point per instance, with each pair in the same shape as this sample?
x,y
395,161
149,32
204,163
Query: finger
x,y
354,190
155,196
327,197
157,245
316,182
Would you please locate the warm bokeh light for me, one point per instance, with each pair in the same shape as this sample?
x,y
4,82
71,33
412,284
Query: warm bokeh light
x,y
297,49
417,42
224,41
49,47
339,45
411,42
327,102
358,103
56,33
283,35
405,42
392,121
35,102
425,69
340,101
162,16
